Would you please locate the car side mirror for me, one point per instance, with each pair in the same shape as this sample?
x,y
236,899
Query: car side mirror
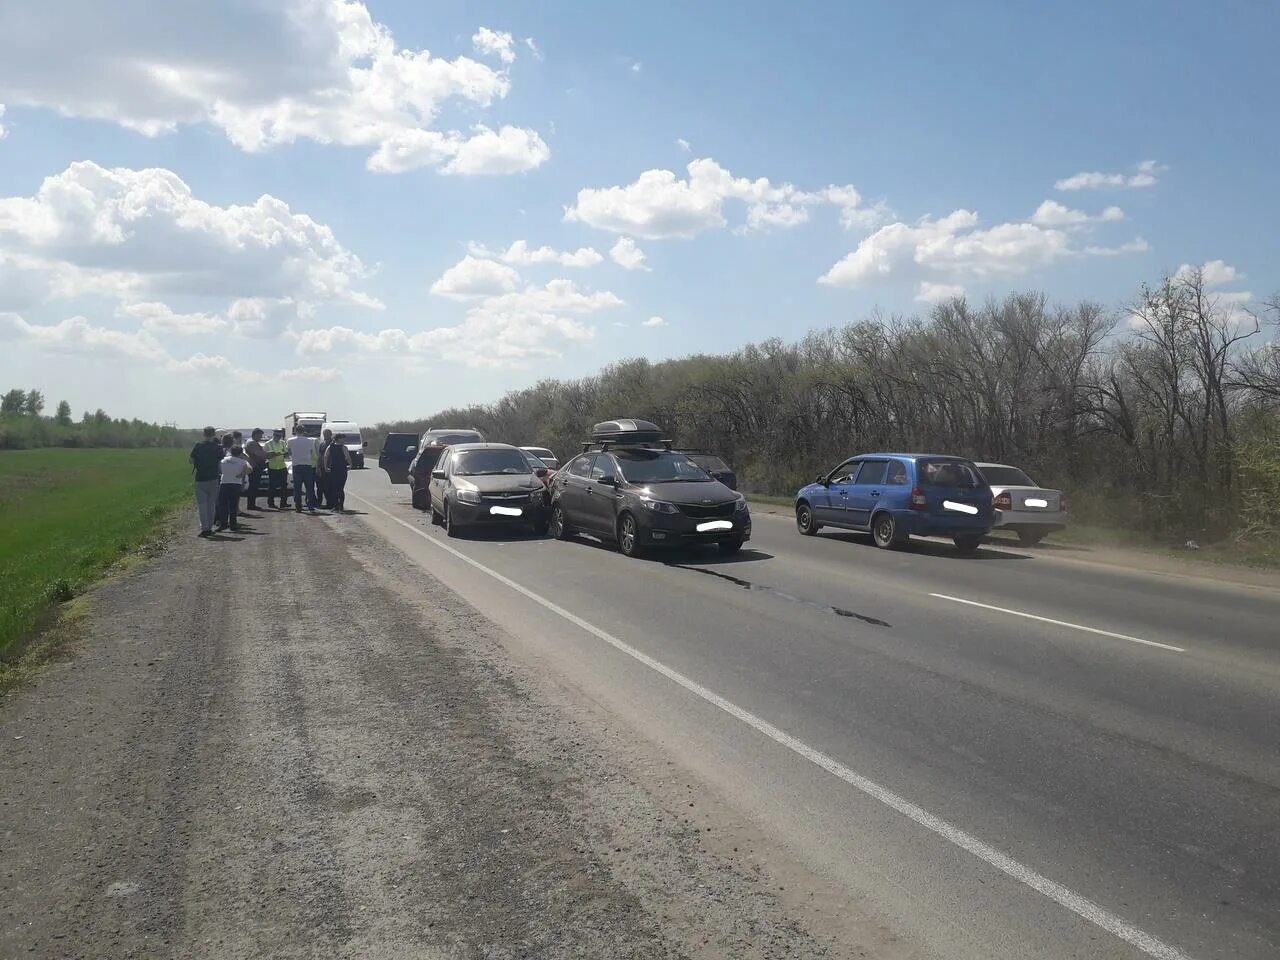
x,y
822,479
437,474
364,445
541,472
608,481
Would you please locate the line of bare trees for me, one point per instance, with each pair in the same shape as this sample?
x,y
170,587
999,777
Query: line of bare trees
x,y
1164,416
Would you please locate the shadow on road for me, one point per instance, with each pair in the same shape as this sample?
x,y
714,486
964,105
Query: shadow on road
x,y
928,548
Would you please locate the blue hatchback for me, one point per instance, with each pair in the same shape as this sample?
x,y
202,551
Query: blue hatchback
x,y
896,495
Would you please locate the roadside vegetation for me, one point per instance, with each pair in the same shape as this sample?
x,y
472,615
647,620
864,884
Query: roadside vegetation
x,y
1161,419
66,517
24,426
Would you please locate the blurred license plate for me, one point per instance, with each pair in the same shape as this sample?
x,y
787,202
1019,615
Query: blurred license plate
x,y
1036,502
506,511
960,507
714,525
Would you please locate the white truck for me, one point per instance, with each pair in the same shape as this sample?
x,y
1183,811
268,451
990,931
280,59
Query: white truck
x,y
312,424
355,445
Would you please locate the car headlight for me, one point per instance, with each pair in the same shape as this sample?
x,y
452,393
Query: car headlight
x,y
740,505
660,506
468,496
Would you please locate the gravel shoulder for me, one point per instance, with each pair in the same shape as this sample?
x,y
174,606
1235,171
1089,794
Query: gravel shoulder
x,y
299,744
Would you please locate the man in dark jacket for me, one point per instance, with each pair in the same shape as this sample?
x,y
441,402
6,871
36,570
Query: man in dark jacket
x,y
206,456
257,457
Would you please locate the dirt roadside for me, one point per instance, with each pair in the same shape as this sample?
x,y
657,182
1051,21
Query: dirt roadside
x,y
300,745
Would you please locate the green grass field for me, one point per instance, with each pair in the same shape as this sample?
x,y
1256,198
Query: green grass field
x,y
68,515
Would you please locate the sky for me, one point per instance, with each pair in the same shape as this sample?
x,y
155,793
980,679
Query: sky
x,y
224,212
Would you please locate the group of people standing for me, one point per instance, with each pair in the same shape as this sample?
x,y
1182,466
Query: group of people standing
x,y
225,466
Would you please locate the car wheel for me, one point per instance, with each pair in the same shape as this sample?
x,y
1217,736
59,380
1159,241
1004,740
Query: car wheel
x,y
436,519
628,536
559,526
805,522
450,528
1028,539
730,546
415,499
968,544
884,531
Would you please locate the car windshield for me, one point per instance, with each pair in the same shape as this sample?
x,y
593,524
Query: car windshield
x,y
656,466
535,461
475,463
709,462
449,439
1006,477
948,473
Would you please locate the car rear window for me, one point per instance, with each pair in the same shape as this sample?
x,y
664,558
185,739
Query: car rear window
x,y
948,473
1006,477
443,439
399,442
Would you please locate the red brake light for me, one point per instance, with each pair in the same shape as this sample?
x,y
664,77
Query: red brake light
x,y
1003,502
918,499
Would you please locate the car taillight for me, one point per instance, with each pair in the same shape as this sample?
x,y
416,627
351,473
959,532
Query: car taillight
x,y
1003,502
918,499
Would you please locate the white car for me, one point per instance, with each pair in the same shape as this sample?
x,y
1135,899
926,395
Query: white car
x,y
545,455
1029,510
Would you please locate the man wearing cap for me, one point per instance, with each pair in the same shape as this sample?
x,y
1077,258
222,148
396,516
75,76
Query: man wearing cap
x,y
257,457
277,470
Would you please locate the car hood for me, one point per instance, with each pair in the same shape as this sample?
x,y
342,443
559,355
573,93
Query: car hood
x,y
707,492
497,483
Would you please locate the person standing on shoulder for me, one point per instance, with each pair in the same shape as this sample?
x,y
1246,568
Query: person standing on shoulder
x,y
277,470
303,453
338,463
322,470
205,458
232,470
257,457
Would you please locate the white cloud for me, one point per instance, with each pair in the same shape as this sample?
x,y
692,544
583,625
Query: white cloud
x,y
506,330
142,235
636,66
265,318
955,248
628,255
520,254
1145,176
683,144
160,318
930,292
4,131
266,74
1054,214
508,150
1215,272
473,277
659,205
654,322
494,43
533,48
76,335
1136,245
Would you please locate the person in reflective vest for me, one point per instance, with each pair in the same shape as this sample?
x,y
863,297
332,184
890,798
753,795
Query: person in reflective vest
x,y
277,470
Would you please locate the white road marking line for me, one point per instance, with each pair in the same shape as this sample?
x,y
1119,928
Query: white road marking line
x,y
1063,896
1062,623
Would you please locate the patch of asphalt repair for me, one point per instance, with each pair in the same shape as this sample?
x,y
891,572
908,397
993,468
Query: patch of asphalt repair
x,y
301,745
748,585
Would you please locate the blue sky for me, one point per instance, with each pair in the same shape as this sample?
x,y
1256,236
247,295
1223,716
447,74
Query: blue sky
x,y
779,168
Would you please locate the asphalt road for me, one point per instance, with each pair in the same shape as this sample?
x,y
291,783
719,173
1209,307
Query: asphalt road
x,y
1003,756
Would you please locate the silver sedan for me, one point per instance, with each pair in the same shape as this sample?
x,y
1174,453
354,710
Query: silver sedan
x,y
1021,505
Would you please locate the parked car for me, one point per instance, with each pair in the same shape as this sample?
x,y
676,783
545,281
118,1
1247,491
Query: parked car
x,y
626,486
895,496
714,466
398,451
1023,506
540,468
486,484
432,444
549,459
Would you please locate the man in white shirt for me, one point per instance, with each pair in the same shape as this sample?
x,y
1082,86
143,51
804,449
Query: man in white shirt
x,y
233,469
304,452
